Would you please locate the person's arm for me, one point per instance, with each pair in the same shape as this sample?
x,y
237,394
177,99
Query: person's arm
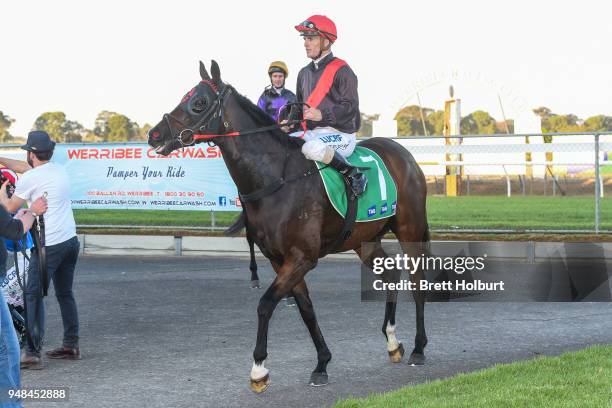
x,y
298,88
26,217
18,166
261,103
11,204
291,98
14,228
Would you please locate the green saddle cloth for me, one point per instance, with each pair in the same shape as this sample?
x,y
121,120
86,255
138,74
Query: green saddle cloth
x,y
380,198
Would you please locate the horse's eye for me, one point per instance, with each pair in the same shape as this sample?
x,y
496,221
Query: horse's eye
x,y
199,105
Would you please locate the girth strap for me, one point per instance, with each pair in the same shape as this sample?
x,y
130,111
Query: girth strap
x,y
349,218
263,192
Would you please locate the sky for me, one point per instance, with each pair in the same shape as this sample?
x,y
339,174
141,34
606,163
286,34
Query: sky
x,y
139,58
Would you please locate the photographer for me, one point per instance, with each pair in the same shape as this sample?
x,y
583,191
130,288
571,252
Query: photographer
x,y
12,228
42,177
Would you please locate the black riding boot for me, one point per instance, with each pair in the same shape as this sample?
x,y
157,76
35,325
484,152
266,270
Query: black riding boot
x,y
357,178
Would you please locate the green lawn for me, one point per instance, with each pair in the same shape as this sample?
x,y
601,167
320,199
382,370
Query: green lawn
x,y
153,217
578,379
517,212
443,212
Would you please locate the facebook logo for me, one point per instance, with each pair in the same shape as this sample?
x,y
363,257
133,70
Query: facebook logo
x,y
222,201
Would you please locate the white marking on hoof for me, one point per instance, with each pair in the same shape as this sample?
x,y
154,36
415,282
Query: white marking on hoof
x,y
258,371
392,343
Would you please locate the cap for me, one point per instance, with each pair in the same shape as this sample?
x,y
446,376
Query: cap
x,y
38,141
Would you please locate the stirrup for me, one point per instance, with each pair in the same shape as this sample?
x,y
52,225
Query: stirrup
x,y
359,182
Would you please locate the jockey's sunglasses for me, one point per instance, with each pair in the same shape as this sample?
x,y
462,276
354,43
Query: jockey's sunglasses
x,y
309,24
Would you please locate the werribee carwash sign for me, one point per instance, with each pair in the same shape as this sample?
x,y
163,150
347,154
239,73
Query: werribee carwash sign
x,y
133,176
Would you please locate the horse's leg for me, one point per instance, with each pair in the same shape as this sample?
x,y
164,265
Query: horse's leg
x,y
253,264
394,347
288,275
302,298
414,244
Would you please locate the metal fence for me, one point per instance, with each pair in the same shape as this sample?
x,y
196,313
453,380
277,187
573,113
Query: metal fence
x,y
566,164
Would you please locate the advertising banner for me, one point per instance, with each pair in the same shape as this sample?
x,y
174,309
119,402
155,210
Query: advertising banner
x,y
133,176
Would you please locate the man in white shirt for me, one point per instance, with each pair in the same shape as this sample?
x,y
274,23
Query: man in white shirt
x,y
42,177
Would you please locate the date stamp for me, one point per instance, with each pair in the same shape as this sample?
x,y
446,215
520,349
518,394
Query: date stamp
x,y
50,394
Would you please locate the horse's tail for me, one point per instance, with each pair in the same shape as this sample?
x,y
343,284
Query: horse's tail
x,y
238,225
426,234
426,240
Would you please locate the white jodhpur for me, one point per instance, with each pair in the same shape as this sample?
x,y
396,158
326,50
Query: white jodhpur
x,y
322,142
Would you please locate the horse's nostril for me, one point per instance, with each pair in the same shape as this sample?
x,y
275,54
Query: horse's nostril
x,y
155,135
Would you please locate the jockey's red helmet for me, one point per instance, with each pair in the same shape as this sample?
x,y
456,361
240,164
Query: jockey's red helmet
x,y
8,174
318,25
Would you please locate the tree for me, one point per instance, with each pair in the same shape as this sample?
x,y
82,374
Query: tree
x,y
5,124
478,123
436,122
542,112
561,123
552,122
144,131
410,122
59,128
468,125
366,125
599,123
101,125
115,127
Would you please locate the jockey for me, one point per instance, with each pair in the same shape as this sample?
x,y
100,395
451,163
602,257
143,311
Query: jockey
x,y
329,86
276,95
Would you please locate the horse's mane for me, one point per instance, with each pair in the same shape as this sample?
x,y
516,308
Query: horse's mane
x,y
263,119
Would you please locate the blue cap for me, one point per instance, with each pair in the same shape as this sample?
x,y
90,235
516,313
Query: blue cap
x,y
38,141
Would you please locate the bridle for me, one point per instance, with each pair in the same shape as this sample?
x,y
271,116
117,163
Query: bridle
x,y
209,117
211,124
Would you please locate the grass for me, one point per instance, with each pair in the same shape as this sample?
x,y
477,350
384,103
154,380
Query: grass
x,y
517,212
443,212
576,379
154,217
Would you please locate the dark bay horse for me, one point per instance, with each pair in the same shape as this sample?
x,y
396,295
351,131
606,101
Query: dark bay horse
x,y
292,220
239,224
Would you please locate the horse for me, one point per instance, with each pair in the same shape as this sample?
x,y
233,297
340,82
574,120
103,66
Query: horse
x,y
239,224
289,214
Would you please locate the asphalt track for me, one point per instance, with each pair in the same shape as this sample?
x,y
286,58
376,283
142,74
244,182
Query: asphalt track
x,y
180,331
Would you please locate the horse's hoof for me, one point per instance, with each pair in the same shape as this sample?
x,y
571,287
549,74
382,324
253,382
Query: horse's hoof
x,y
416,359
255,284
259,386
396,355
318,379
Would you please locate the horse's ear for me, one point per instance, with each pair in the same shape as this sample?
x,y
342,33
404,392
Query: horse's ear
x,y
215,71
203,72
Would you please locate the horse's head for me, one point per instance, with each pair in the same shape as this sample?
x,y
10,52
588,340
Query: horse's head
x,y
199,111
